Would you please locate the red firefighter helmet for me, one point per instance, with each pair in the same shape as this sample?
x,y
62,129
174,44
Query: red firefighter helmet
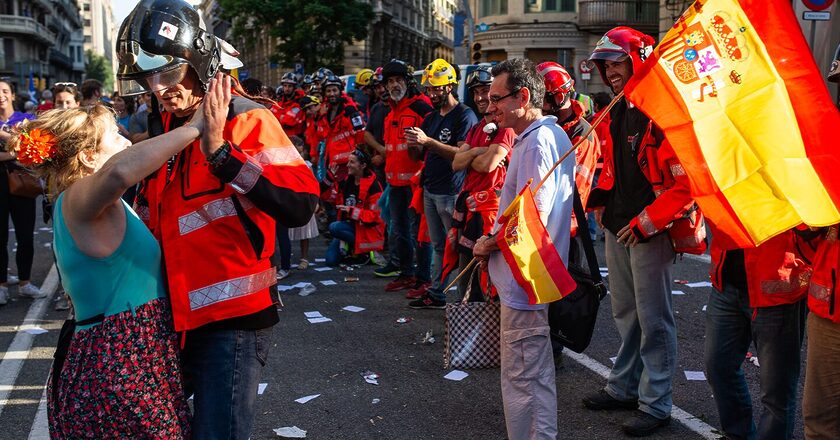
x,y
618,44
557,79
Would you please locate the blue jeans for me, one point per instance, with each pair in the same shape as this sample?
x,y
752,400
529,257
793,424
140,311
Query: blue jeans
x,y
438,209
731,324
341,231
222,368
640,292
405,224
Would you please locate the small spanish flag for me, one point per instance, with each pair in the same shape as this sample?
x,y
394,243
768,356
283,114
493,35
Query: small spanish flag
x,y
735,89
530,253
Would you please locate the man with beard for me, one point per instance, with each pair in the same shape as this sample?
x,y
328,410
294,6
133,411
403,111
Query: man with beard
x,y
376,126
345,127
288,110
408,107
484,155
213,208
437,140
642,190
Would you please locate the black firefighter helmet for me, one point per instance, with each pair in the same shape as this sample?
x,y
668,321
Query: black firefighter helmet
x,y
160,40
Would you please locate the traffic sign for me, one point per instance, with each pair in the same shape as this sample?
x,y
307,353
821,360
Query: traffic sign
x,y
816,16
585,66
482,27
817,5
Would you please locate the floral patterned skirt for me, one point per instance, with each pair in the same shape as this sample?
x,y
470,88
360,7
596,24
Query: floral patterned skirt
x,y
122,379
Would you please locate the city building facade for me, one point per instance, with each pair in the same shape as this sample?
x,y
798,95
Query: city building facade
x,y
100,31
42,40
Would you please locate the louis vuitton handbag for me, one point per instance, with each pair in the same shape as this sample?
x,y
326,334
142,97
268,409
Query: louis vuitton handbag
x,y
471,335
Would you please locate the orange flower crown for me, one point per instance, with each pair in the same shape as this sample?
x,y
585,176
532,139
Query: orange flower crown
x,y
36,147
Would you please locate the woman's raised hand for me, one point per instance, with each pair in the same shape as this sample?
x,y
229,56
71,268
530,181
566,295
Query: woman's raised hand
x,y
215,110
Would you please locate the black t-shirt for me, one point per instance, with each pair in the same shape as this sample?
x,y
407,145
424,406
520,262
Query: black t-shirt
x,y
376,121
631,192
350,192
734,270
266,317
438,177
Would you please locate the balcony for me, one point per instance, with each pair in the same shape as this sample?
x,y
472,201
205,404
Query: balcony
x,y
599,16
60,59
13,24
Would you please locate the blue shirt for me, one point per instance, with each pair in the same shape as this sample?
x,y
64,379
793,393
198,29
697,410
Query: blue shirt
x,y
535,151
438,177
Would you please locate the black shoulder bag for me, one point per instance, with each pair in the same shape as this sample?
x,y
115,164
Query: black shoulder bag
x,y
572,318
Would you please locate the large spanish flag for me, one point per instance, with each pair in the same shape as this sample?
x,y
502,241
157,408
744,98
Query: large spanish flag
x,y
739,96
530,253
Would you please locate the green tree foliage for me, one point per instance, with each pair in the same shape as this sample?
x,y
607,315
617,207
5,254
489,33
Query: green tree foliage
x,y
98,67
314,31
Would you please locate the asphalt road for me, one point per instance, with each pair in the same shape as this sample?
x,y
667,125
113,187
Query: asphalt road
x,y
412,399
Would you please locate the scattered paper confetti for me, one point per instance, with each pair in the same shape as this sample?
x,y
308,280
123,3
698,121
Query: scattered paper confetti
x,y
613,359
322,269
371,377
306,398
700,284
283,287
290,432
35,331
314,314
375,401
403,319
456,375
261,388
704,308
354,309
677,292
695,375
320,260
428,338
328,282
319,320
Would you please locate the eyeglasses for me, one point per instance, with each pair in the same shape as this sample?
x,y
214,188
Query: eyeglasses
x,y
497,99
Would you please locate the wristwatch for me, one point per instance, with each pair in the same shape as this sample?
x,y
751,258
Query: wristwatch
x,y
220,156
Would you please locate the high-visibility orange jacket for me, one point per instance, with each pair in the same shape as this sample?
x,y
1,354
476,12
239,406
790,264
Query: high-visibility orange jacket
x,y
409,112
586,155
365,216
673,210
216,225
342,133
313,134
822,292
777,271
289,113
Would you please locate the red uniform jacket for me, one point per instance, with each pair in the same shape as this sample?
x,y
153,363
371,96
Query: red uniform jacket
x,y
366,216
822,292
290,115
342,134
409,112
216,225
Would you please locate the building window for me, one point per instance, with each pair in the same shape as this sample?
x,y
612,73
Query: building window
x,y
493,7
532,6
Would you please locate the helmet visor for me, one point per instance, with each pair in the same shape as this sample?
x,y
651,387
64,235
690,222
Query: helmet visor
x,y
478,77
154,82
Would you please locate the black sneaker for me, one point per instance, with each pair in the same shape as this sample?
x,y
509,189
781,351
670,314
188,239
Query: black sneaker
x,y
642,424
603,401
427,302
388,271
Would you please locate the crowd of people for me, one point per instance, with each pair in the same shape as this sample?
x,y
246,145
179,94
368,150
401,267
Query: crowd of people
x,y
231,174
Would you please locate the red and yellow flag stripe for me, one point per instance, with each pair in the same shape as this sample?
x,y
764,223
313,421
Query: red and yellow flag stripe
x,y
530,252
739,96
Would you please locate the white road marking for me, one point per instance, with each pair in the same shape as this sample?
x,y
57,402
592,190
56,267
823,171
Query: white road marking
x,y
14,357
690,421
41,427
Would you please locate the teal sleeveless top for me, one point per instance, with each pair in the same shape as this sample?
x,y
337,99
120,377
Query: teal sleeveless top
x,y
130,277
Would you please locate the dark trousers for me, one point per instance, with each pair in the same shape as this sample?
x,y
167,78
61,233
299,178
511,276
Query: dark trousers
x,y
22,210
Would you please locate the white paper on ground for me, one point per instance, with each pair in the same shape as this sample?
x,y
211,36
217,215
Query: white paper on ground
x,y
305,399
35,331
677,292
319,320
695,375
613,359
261,388
315,314
283,287
290,432
322,269
354,309
328,282
321,260
456,375
704,308
700,284
300,285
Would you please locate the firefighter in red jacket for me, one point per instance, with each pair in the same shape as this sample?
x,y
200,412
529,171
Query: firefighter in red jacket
x,y
759,298
287,110
344,127
359,218
642,191
314,132
570,115
408,108
821,402
213,208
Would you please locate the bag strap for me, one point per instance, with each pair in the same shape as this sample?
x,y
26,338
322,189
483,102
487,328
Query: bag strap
x,y
588,247
467,294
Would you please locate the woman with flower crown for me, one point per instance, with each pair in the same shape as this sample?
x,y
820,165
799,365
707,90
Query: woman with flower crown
x,y
22,209
121,376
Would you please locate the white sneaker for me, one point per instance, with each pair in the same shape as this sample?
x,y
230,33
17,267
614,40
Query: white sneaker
x,y
12,280
31,291
4,295
282,274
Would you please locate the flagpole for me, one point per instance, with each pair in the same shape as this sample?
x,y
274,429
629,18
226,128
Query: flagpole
x,y
583,138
